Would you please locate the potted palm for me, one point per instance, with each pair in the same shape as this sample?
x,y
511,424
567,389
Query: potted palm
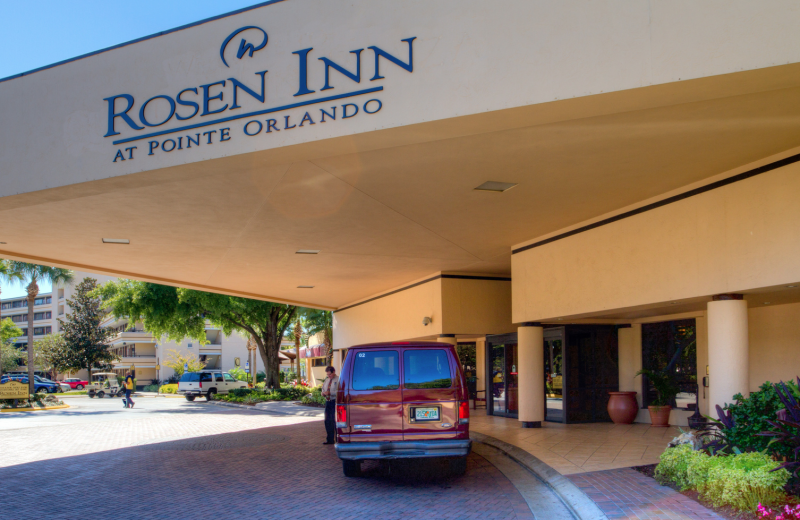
x,y
666,389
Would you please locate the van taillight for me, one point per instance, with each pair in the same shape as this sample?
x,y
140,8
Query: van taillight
x,y
341,416
201,384
463,412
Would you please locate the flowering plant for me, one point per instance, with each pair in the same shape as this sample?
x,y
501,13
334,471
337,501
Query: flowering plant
x,y
788,513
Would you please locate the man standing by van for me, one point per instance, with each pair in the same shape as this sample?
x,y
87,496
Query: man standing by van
x,y
128,389
329,389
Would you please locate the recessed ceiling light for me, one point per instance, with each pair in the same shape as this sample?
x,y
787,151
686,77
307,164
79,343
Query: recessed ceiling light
x,y
307,252
495,186
673,303
767,303
116,241
305,286
788,286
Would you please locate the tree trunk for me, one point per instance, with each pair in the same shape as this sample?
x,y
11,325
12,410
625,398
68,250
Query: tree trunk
x,y
33,291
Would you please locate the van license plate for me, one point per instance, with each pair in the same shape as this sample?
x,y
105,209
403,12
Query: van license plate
x,y
426,414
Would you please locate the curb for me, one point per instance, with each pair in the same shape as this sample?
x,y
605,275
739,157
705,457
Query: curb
x,y
576,500
39,409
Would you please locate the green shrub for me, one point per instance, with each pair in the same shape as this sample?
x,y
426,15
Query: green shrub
x,y
150,388
314,397
674,465
292,393
169,389
241,392
741,481
750,415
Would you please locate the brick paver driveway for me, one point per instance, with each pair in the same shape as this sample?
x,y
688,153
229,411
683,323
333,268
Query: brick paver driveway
x,y
168,458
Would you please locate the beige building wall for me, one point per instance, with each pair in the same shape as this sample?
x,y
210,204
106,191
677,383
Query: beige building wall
x,y
474,306
456,304
734,238
392,317
774,344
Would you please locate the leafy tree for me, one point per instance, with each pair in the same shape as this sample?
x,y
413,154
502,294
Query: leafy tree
x,y
180,313
86,340
10,355
176,362
33,274
51,353
8,276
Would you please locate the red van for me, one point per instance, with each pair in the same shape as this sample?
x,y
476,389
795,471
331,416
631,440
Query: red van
x,y
402,400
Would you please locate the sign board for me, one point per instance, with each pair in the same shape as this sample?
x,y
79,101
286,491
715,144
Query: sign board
x,y
186,366
158,367
247,364
14,390
237,361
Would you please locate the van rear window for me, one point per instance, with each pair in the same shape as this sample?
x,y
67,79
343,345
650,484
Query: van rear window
x,y
190,377
376,370
426,369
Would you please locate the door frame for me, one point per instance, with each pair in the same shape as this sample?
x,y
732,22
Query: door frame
x,y
494,340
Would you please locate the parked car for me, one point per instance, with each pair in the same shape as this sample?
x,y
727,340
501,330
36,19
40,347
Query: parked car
x,y
402,400
60,387
76,383
196,384
39,385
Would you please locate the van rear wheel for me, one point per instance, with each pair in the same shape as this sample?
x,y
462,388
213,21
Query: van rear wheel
x,y
458,465
351,468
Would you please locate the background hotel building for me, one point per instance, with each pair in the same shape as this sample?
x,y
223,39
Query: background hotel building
x,y
135,347
617,179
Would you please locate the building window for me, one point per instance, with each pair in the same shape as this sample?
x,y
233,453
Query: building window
x,y
318,362
671,346
38,331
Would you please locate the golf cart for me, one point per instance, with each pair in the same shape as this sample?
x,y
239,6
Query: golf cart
x,y
104,384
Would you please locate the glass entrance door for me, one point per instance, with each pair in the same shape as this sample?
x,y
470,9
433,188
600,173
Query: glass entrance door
x,y
502,353
554,374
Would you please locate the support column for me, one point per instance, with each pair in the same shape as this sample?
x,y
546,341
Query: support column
x,y
530,345
480,364
337,361
630,360
728,349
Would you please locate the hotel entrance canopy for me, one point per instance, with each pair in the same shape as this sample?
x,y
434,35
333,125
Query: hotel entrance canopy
x,y
360,130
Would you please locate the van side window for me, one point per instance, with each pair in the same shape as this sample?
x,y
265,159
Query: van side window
x,y
205,377
376,371
426,369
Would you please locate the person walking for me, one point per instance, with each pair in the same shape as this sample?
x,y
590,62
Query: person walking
x,y
128,389
329,389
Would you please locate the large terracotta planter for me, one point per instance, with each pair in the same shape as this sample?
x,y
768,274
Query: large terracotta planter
x,y
659,415
622,407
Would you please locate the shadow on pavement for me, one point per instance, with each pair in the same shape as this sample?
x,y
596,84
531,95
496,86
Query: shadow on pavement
x,y
276,472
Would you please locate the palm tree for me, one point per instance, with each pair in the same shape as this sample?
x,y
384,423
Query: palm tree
x,y
8,276
33,274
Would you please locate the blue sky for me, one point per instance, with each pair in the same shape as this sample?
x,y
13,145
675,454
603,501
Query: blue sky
x,y
35,33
